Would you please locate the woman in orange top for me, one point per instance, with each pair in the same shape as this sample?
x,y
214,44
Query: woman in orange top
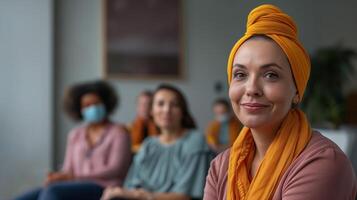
x,y
276,155
224,129
142,126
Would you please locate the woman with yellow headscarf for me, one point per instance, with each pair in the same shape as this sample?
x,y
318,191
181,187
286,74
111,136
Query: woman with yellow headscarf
x,y
276,155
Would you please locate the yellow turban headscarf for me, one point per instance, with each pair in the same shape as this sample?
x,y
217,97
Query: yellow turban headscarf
x,y
294,132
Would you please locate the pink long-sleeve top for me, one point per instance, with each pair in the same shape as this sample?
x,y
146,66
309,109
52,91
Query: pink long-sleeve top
x,y
106,163
321,172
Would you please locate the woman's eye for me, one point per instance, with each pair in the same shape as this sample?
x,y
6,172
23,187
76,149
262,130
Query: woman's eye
x,y
160,103
239,75
271,75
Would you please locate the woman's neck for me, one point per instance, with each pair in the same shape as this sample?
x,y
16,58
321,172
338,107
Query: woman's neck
x,y
95,132
169,136
263,139
97,126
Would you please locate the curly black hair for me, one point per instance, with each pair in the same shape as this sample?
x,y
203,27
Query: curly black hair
x,y
74,94
187,120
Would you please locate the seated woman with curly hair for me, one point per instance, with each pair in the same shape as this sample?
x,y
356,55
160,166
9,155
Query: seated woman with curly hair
x,y
98,151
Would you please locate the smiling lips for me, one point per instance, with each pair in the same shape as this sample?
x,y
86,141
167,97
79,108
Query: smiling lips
x,y
254,107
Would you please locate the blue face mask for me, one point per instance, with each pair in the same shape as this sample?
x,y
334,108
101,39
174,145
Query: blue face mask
x,y
223,118
94,113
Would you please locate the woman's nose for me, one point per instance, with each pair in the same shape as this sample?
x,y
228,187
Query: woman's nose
x,y
167,108
253,87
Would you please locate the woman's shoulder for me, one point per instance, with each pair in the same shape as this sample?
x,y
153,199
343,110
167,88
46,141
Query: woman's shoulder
x,y
77,132
149,148
118,130
194,136
216,181
324,151
322,166
319,142
221,161
149,143
118,127
194,141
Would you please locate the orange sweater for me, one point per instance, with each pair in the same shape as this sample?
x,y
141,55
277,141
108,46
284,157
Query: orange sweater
x,y
137,133
212,132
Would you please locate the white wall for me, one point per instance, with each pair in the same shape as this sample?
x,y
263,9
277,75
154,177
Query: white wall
x,y
26,94
79,57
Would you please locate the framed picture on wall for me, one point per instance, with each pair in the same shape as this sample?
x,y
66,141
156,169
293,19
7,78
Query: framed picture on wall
x,y
142,39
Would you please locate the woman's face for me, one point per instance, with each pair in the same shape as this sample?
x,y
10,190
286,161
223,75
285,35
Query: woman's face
x,y
90,99
143,106
220,111
262,88
166,111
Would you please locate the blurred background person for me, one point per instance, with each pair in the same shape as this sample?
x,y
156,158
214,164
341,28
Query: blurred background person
x,y
174,164
98,150
224,129
142,126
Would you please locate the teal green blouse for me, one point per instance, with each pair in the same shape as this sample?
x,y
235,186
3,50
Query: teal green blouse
x,y
180,167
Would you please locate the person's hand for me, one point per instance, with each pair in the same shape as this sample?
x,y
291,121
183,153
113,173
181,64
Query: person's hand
x,y
136,194
111,192
145,195
53,177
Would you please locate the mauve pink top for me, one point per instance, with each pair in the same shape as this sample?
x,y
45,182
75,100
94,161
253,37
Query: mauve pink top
x,y
106,163
321,172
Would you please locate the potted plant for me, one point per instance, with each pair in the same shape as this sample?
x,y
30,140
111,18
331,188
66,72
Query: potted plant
x,y
324,100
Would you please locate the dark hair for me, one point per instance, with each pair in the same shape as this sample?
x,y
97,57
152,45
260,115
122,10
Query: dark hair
x,y
73,96
187,120
222,101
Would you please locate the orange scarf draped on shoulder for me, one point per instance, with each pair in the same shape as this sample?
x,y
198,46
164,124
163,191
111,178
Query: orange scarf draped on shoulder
x,y
294,132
